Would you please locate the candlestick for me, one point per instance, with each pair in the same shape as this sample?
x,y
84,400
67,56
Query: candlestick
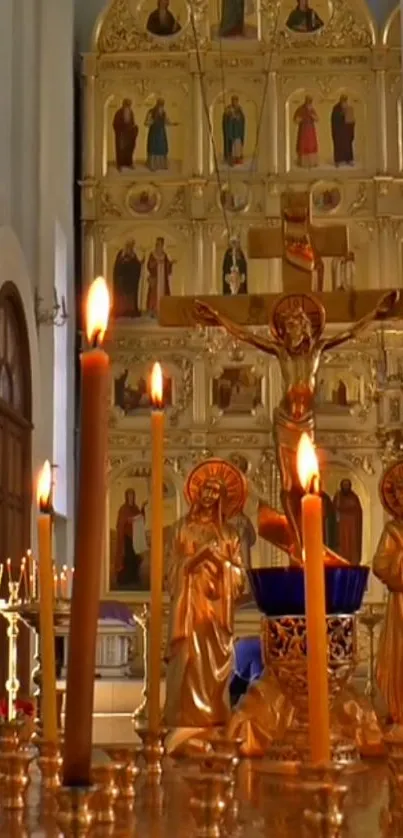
x,y
315,602
157,515
46,623
89,543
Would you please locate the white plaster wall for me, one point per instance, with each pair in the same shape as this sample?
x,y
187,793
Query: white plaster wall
x,y
36,189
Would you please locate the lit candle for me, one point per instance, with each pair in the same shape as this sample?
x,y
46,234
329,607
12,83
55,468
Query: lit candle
x,y
63,585
46,624
91,502
315,602
9,575
55,586
157,513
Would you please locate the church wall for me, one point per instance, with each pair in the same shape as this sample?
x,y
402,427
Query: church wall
x,y
36,177
271,70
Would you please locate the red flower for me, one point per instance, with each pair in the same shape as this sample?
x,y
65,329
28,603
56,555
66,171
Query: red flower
x,y
22,707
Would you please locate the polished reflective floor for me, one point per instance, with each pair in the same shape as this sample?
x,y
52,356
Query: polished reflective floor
x,y
270,807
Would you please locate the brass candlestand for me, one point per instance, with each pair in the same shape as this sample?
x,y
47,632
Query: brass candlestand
x,y
127,771
152,751
14,770
50,764
209,787
371,616
105,794
324,816
75,817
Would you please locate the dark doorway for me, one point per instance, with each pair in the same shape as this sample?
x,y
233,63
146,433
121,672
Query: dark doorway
x,y
15,457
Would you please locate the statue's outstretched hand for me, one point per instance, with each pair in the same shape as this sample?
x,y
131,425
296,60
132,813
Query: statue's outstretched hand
x,y
388,303
204,313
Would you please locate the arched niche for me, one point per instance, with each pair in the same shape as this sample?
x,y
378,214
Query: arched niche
x,y
391,33
248,103
323,101
145,98
127,566
176,245
333,470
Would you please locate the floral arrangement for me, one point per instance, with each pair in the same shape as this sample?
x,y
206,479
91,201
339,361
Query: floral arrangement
x,y
25,712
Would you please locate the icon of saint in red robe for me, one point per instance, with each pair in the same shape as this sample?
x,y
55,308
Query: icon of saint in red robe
x,y
305,117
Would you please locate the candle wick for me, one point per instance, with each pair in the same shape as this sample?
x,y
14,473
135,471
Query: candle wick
x,y
314,485
96,338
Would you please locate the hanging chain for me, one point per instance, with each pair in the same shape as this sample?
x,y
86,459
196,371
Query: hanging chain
x,y
208,117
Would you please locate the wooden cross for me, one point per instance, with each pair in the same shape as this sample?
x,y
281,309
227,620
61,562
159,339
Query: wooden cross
x,y
266,243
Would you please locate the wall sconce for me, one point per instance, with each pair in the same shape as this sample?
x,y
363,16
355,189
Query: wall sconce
x,y
55,316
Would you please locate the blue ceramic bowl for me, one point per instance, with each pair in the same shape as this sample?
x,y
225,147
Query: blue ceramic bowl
x,y
279,591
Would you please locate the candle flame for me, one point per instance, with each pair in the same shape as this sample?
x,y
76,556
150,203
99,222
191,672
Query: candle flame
x,y
44,487
307,464
98,306
156,385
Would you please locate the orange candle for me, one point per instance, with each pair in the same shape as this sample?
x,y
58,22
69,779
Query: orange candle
x,y
315,602
157,515
89,544
46,624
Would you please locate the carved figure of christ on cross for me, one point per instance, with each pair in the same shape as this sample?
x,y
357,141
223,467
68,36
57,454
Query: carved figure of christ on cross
x,y
298,243
296,340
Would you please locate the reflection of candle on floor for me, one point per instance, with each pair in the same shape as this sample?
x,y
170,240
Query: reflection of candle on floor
x,y
315,601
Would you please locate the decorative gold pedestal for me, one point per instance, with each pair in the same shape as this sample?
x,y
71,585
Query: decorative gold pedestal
x,y
208,802
324,816
14,771
127,772
13,825
50,763
105,794
75,816
152,751
10,735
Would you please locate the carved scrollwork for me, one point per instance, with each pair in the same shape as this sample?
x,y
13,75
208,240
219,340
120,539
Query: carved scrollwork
x,y
107,206
120,32
285,653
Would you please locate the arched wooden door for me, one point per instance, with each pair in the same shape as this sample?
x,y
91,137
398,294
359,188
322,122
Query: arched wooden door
x,y
15,451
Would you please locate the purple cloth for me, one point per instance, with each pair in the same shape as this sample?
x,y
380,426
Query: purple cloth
x,y
248,659
111,610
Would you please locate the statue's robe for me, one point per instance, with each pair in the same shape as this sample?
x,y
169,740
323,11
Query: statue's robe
x,y
200,634
388,567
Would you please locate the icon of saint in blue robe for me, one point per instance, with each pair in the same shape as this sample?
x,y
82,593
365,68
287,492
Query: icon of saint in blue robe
x,y
233,128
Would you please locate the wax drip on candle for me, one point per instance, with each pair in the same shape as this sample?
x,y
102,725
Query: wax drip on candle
x,y
157,387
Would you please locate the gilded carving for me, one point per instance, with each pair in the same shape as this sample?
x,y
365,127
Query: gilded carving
x,y
108,207
178,203
346,28
361,199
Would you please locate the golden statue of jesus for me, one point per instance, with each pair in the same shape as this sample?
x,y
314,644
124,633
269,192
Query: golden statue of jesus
x,y
297,341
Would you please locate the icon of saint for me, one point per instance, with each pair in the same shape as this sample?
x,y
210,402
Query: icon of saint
x,y
305,117
161,21
233,128
126,281
157,138
343,131
126,132
303,18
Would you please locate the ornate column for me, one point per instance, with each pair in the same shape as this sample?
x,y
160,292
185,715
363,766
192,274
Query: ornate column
x,y
198,257
382,148
89,76
88,251
271,119
384,266
198,125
